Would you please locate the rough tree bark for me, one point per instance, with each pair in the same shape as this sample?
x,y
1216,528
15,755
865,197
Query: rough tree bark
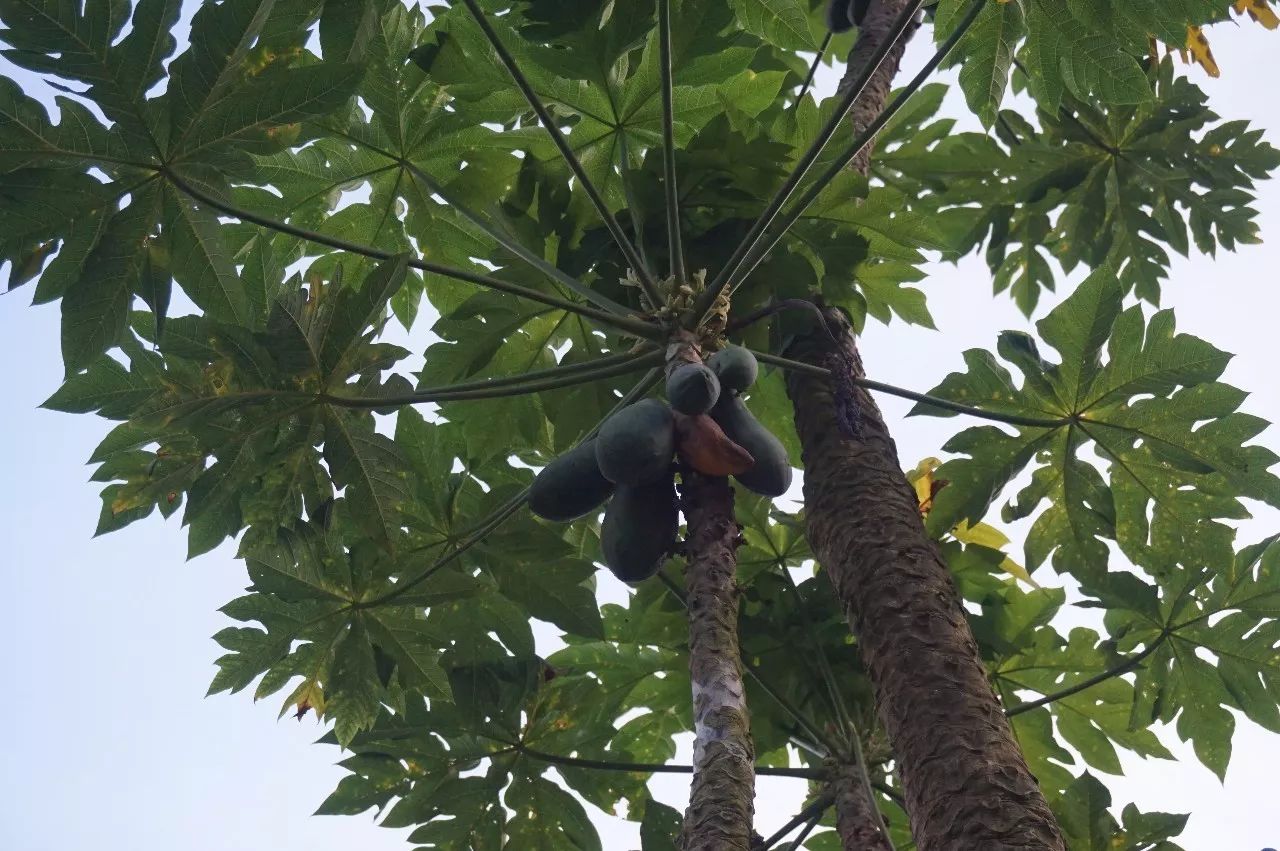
x,y
856,820
721,798
965,781
875,28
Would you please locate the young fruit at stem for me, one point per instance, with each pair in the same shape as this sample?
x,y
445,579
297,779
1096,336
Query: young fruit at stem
x,y
692,389
635,445
570,486
735,367
771,473
639,529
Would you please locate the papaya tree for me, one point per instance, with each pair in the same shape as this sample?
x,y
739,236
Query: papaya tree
x,y
462,318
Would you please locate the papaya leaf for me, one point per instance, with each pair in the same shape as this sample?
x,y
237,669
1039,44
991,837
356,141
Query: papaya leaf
x,y
371,465
659,828
545,817
1161,461
1083,813
95,311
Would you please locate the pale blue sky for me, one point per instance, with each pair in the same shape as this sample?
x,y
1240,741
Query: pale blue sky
x,y
108,653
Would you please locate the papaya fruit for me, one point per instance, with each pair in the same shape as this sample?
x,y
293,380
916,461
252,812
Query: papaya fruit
x,y
771,473
735,367
635,445
570,486
702,445
692,388
639,529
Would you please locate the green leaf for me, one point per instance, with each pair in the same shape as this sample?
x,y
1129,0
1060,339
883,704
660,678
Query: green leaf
x,y
256,651
547,818
352,694
298,565
28,139
783,23
276,98
60,38
374,782
988,50
200,261
1094,721
346,28
659,828
552,590
95,309
372,466
1122,185
473,813
105,387
1170,479
1068,50
357,310
1081,326
205,75
400,635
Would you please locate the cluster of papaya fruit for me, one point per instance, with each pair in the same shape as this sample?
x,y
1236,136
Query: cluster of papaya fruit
x,y
704,422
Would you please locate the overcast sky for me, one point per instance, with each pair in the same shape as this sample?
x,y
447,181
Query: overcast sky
x,y
107,642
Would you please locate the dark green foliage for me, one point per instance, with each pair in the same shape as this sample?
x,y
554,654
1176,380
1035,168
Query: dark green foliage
x,y
735,367
636,444
771,474
692,389
570,486
639,530
394,573
1092,49
1083,186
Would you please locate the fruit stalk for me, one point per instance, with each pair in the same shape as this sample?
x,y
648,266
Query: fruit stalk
x,y
721,798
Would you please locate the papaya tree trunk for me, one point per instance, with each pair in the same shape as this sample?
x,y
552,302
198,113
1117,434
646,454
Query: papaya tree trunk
x,y
721,799
857,822
965,781
875,28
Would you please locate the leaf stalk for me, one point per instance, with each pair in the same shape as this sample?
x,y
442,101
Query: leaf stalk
x,y
646,280
635,327
761,249
729,275
922,398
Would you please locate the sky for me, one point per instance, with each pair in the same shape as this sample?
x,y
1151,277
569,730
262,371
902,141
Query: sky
x,y
107,649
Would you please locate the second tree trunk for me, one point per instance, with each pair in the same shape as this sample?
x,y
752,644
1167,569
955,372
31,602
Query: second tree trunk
x,y
966,783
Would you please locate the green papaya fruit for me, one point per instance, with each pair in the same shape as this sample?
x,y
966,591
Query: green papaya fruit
x,y
635,445
771,473
735,367
692,389
639,529
570,486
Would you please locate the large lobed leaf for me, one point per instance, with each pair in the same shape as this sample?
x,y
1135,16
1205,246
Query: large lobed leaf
x,y
379,597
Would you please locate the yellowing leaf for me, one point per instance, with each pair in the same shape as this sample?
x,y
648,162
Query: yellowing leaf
x,y
309,695
1198,44
921,478
1260,11
992,538
1017,571
981,534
